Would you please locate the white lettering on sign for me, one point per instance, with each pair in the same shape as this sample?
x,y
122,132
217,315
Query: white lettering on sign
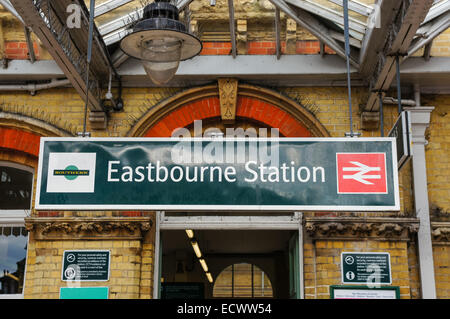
x,y
256,173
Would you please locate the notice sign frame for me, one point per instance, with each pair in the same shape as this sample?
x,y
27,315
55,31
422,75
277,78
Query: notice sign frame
x,y
80,265
120,174
364,292
402,132
366,268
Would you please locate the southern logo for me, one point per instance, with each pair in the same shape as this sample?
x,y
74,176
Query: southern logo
x,y
71,173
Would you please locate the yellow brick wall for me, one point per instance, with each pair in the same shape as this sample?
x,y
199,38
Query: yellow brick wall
x,y
441,44
414,271
65,109
438,153
44,264
441,256
322,264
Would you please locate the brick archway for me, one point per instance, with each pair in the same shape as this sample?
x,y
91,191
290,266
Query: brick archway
x,y
19,140
254,103
21,134
247,108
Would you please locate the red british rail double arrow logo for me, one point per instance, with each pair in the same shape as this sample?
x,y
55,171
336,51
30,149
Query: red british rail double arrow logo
x,y
361,173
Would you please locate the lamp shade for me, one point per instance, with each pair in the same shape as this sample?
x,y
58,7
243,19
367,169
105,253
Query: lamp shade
x,y
160,41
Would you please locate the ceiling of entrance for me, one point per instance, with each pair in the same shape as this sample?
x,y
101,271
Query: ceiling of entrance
x,y
229,241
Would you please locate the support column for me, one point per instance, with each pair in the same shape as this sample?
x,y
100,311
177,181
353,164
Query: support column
x,y
420,120
291,36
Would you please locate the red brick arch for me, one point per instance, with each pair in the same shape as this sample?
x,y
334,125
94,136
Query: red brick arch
x,y
18,140
247,107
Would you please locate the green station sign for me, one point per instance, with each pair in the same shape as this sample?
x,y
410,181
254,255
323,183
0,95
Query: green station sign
x,y
260,174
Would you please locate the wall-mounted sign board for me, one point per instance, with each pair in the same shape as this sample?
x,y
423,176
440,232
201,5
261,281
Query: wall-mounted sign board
x,y
351,174
363,292
368,268
85,265
182,290
402,133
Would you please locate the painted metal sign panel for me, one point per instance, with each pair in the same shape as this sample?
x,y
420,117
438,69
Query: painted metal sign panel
x,y
368,268
83,293
352,174
402,133
362,292
182,290
85,265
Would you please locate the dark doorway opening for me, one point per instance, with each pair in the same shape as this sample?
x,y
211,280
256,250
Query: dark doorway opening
x,y
241,264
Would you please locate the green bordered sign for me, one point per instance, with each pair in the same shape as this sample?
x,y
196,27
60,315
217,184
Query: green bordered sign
x,y
182,290
361,292
85,265
368,268
285,174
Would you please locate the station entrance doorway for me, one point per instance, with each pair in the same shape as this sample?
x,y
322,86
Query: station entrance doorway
x,y
228,256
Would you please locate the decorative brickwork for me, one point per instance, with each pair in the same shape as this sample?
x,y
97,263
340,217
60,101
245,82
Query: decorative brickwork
x,y
19,140
265,48
247,107
373,228
258,104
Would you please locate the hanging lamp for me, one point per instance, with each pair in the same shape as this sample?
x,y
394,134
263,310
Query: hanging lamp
x,y
160,41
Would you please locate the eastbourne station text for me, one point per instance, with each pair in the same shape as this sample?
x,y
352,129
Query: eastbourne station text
x,y
218,162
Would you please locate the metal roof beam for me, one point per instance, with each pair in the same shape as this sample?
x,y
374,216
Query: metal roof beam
x,y
396,40
120,23
429,32
436,10
68,47
355,6
374,39
309,22
108,6
340,37
183,3
8,6
232,28
290,70
329,14
116,29
277,32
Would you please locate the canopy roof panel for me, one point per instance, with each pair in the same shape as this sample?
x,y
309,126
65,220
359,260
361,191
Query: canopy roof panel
x,y
378,30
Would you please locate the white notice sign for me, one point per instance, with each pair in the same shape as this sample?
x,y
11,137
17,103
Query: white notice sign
x,y
364,294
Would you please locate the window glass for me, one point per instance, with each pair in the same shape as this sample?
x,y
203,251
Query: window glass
x,y
15,188
242,281
13,251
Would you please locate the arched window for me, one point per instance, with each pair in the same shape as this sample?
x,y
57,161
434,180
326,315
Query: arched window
x,y
16,185
242,281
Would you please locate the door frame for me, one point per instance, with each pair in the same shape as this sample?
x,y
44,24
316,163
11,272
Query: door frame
x,y
291,221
